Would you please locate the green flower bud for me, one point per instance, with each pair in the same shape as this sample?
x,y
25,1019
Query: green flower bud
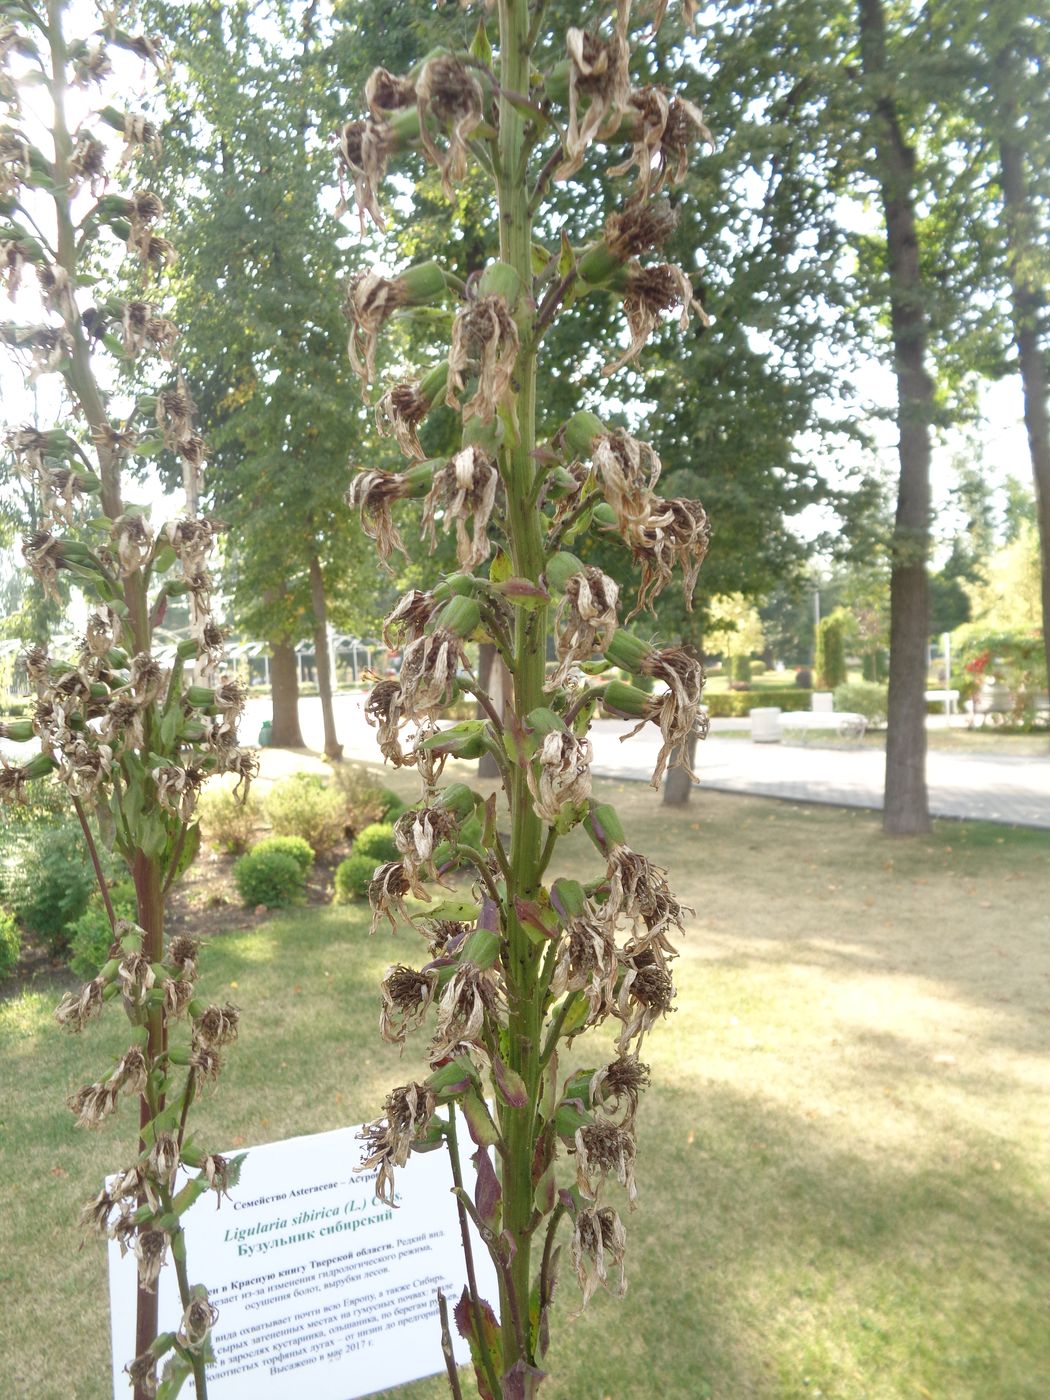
x,y
602,825
458,799
200,696
432,385
568,899
544,721
423,284
19,732
500,279
187,650
460,616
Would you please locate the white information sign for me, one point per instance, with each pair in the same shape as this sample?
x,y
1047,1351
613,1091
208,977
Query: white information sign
x,y
321,1288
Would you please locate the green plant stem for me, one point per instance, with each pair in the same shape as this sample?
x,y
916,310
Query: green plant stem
x,y
178,1255
78,807
446,1349
468,1253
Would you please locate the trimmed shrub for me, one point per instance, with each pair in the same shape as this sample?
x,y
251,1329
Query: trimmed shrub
x,y
864,698
740,668
294,846
737,703
758,668
90,936
10,943
830,660
273,878
305,805
353,877
804,678
377,842
228,823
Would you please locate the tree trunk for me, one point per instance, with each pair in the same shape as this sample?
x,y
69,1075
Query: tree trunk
x,y
906,807
1026,295
678,786
284,691
495,678
333,749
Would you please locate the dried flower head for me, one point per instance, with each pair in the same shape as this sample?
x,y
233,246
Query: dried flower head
x,y
599,1241
386,893
448,97
464,487
93,1104
677,532
618,1085
428,672
677,709
14,254
484,345
388,1141
418,832
370,300
364,149
406,995
409,619
646,993
650,291
599,87
605,1149
384,710
216,1026
639,228
627,470
400,412
561,775
77,1008
586,619
665,129
470,994
587,963
385,92
151,1249
373,493
639,892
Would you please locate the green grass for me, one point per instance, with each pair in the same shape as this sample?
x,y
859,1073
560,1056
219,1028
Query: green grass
x,y
844,1158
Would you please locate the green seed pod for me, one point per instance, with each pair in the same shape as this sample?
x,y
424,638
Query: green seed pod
x,y
460,616
19,732
602,825
200,696
568,899
562,567
597,263
458,799
420,478
627,651
580,432
604,514
544,721
432,385
625,701
499,279
186,650
424,284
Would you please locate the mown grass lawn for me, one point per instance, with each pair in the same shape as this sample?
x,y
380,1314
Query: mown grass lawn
x,y
844,1158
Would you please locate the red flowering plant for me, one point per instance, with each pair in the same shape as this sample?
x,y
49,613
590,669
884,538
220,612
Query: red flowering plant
x,y
131,736
524,964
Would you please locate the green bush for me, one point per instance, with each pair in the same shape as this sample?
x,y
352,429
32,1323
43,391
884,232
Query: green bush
x,y
740,668
361,793
830,660
48,880
294,846
377,842
305,805
393,805
863,698
273,878
90,936
226,821
758,668
353,877
10,943
742,702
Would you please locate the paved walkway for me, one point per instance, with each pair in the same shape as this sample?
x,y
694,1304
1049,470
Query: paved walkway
x,y
978,786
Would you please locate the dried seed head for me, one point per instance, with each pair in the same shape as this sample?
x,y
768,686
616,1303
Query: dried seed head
x,y
364,149
384,710
216,1026
428,672
373,493
409,619
638,228
651,290
677,532
677,709
485,345
151,1248
646,993
469,995
14,254
182,953
93,1104
448,95
77,1008
197,1320
400,412
367,304
627,471
605,1149
639,892
406,995
418,832
562,776
587,963
388,1141
665,129
464,487
586,619
619,1084
599,86
598,1241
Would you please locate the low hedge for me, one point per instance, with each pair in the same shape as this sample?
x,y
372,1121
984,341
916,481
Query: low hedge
x,y
353,877
741,702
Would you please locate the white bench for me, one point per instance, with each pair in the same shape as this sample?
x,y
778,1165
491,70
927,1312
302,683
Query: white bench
x,y
766,724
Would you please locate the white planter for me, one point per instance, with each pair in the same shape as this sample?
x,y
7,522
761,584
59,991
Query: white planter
x,y
765,725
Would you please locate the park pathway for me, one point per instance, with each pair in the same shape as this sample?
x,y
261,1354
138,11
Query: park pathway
x,y
977,786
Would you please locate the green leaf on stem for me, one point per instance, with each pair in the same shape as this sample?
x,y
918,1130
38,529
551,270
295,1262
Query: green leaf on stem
x,y
488,1343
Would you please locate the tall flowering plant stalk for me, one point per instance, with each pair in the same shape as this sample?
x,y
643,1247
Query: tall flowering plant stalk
x,y
132,739
513,973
